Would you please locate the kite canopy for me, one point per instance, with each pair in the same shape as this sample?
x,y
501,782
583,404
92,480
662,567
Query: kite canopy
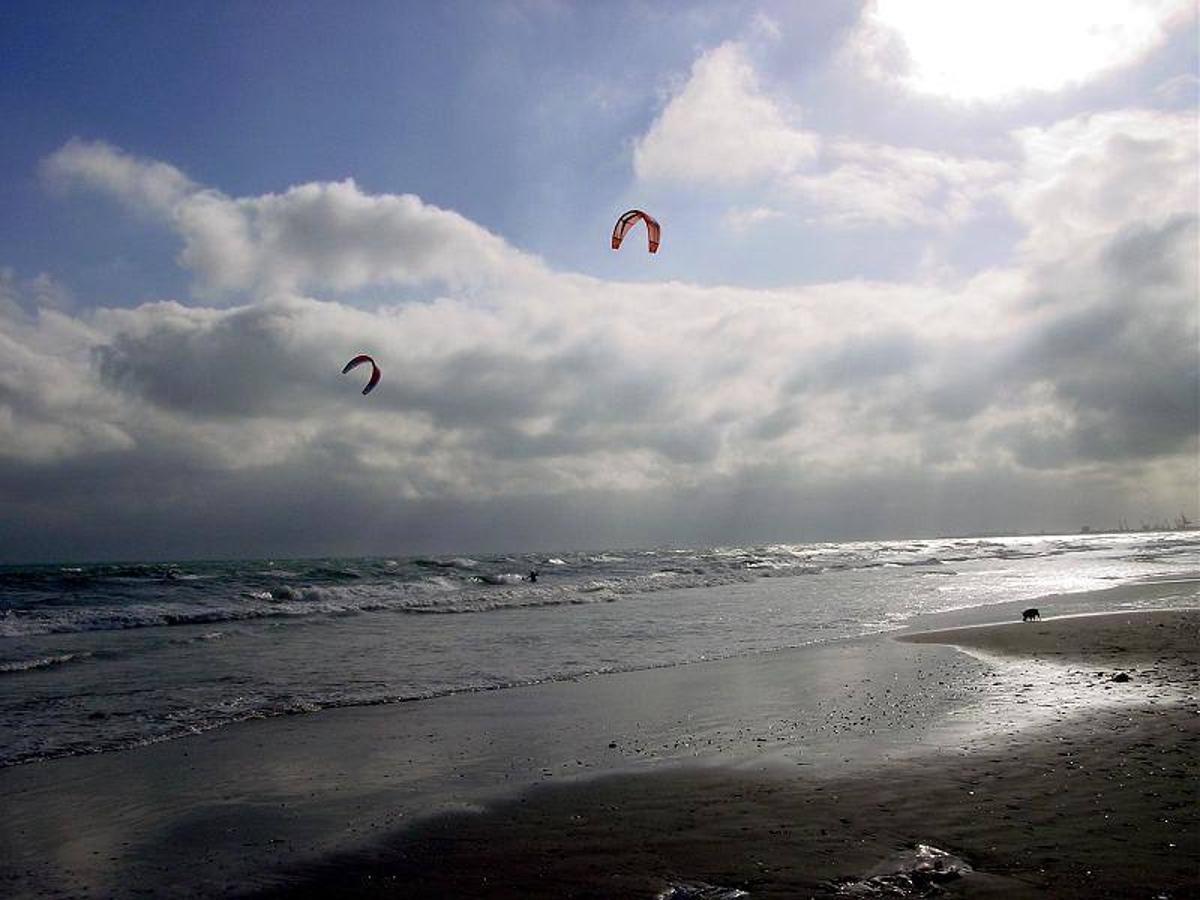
x,y
358,361
628,220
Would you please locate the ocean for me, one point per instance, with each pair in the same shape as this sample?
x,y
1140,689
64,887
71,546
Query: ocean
x,y
107,656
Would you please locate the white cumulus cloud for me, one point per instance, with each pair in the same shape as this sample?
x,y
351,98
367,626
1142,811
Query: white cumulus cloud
x,y
326,235
1088,176
721,128
873,184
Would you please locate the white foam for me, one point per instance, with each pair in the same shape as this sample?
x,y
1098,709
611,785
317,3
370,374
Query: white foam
x,y
42,662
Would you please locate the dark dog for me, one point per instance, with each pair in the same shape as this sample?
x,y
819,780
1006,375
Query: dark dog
x,y
1030,614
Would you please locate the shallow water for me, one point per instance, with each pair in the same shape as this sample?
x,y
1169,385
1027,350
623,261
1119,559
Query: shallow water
x,y
98,657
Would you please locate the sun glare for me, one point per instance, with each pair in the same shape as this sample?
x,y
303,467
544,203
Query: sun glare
x,y
990,51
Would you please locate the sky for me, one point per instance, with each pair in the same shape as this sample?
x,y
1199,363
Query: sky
x,y
928,267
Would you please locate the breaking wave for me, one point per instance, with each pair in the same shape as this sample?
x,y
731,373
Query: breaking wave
x,y
86,669
43,662
43,600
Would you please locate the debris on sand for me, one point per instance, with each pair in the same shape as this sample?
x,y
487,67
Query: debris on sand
x,y
698,890
916,872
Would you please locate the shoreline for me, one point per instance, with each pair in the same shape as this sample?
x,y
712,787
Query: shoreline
x,y
255,800
275,804
1096,810
988,613
1103,802
1153,648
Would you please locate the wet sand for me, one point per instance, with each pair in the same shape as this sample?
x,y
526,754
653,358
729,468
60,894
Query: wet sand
x,y
1106,809
773,774
1147,640
1102,802
256,804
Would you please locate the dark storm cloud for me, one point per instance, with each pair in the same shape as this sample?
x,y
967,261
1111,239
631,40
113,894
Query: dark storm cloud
x,y
102,507
858,360
234,365
478,387
612,385
782,421
280,359
1110,338
1125,361
1144,257
965,386
679,444
579,386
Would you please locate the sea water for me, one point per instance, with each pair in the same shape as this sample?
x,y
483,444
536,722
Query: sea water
x,y
106,656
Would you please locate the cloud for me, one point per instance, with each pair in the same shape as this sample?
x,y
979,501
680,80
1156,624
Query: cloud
x,y
858,359
43,291
325,235
720,128
1085,177
743,219
722,131
145,185
464,380
872,184
988,52
1122,359
246,362
1075,365
50,407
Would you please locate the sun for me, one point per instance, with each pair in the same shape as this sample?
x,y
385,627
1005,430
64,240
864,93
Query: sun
x,y
976,50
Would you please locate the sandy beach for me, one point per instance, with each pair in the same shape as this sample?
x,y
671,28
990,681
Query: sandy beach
x,y
785,774
1105,809
1102,803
